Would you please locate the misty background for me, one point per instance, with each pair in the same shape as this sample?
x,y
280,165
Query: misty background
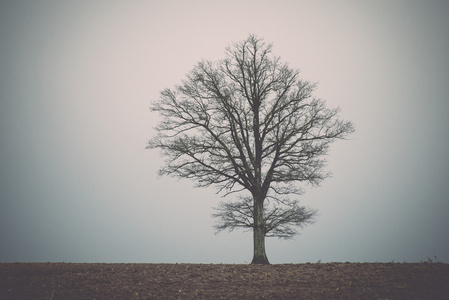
x,y
76,82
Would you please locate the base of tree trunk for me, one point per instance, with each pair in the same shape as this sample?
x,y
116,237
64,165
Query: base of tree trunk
x,y
260,260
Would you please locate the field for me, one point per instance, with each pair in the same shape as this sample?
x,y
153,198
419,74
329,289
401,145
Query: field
x,y
217,281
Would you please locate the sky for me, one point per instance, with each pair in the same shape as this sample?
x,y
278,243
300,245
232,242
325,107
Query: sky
x,y
77,79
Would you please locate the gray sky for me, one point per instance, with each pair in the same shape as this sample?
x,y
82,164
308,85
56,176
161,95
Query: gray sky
x,y
76,82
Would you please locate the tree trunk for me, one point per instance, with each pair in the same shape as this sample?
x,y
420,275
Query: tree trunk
x,y
260,257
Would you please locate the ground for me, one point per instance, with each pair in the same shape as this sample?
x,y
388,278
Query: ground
x,y
224,281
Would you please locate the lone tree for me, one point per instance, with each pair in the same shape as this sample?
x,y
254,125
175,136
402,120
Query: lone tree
x,y
248,124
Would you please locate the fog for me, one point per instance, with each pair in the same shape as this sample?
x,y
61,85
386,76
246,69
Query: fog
x,y
76,82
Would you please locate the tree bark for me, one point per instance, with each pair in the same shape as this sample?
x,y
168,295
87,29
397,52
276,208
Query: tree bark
x,y
260,257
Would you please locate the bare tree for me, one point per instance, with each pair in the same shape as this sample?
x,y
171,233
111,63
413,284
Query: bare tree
x,y
248,123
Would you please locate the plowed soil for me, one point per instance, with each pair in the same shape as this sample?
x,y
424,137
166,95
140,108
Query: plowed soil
x,y
215,281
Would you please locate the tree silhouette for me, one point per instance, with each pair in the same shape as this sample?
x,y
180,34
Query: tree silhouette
x,y
248,124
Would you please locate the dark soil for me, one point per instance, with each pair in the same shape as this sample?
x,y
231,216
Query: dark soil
x,y
215,281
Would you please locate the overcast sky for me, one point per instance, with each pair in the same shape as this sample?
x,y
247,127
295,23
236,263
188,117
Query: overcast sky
x,y
76,82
